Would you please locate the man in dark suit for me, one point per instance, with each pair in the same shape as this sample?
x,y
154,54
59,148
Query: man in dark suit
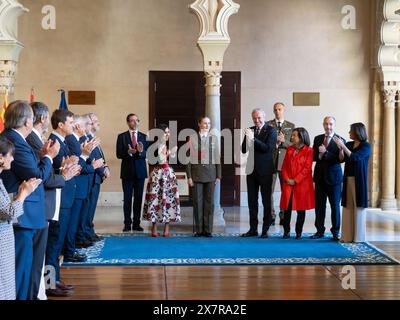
x,y
260,141
19,124
61,122
131,149
83,181
328,178
55,181
284,132
86,235
203,173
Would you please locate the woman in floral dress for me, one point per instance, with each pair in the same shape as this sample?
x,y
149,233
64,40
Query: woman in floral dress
x,y
162,204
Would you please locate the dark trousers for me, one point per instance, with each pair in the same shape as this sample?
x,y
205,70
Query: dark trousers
x,y
94,197
255,183
301,217
40,243
333,193
24,252
82,232
54,252
51,248
69,245
203,206
132,188
275,177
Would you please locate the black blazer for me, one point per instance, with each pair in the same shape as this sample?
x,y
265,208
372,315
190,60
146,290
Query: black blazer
x,y
327,170
262,157
132,167
52,183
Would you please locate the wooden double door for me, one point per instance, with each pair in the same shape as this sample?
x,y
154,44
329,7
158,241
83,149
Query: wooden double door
x,y
180,96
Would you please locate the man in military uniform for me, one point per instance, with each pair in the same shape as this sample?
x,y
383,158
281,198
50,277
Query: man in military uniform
x,y
283,133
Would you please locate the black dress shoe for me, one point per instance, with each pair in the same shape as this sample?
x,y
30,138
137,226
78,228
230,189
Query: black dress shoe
x,y
317,236
264,235
207,235
75,258
298,236
127,228
137,228
96,238
286,235
57,293
84,244
335,238
250,234
62,286
197,235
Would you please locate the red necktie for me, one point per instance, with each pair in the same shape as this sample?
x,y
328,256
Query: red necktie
x,y
134,142
326,141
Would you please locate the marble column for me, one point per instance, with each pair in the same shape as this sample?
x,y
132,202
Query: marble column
x,y
388,200
214,39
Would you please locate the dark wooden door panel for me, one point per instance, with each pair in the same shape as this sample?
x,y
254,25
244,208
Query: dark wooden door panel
x,y
180,96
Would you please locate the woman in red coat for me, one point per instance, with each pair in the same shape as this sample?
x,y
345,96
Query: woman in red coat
x,y
298,187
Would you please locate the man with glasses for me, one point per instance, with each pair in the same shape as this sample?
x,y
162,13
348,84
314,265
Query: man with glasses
x,y
131,149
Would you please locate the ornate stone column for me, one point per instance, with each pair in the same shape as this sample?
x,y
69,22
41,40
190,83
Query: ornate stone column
x,y
389,61
10,47
214,39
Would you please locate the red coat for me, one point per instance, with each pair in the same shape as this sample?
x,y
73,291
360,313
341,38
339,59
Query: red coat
x,y
298,166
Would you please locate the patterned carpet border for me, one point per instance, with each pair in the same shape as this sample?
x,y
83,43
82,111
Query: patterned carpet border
x,y
367,254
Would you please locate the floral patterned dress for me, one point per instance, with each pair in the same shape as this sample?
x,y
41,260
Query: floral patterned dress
x,y
162,196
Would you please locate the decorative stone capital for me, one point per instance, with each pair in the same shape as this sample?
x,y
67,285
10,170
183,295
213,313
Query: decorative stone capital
x,y
390,91
10,10
214,16
214,38
10,47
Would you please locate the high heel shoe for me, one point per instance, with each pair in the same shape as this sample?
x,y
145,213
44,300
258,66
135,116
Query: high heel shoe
x,y
154,235
166,234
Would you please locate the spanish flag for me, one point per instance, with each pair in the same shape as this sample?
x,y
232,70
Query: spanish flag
x,y
3,111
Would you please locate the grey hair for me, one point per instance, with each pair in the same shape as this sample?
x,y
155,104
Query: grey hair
x,y
258,110
79,120
330,117
17,113
39,110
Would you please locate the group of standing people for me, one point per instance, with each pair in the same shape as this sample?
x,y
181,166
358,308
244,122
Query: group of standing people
x,y
277,150
267,142
55,185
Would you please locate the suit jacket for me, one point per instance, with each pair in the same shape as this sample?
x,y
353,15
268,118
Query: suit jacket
x,y
83,181
24,167
68,192
132,167
96,154
328,169
280,150
260,159
208,169
52,183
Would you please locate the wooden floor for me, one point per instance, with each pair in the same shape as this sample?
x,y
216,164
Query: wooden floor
x,y
233,282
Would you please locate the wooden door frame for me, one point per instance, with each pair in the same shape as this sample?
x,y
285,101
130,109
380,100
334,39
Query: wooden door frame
x,y
152,118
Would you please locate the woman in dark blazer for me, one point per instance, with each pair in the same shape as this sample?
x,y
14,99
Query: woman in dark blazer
x,y
356,154
298,187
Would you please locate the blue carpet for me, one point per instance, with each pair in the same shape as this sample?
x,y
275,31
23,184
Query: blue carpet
x,y
181,249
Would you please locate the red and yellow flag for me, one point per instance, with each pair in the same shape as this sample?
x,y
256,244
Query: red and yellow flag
x,y
3,111
32,96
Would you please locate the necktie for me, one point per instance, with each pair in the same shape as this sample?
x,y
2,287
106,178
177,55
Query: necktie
x,y
326,141
134,141
257,131
279,126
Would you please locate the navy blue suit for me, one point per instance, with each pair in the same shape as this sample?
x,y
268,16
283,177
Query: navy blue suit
x,y
24,167
41,236
133,174
58,230
259,170
81,195
328,177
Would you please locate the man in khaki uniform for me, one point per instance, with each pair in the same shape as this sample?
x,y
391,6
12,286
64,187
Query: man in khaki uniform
x,y
203,173
283,133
